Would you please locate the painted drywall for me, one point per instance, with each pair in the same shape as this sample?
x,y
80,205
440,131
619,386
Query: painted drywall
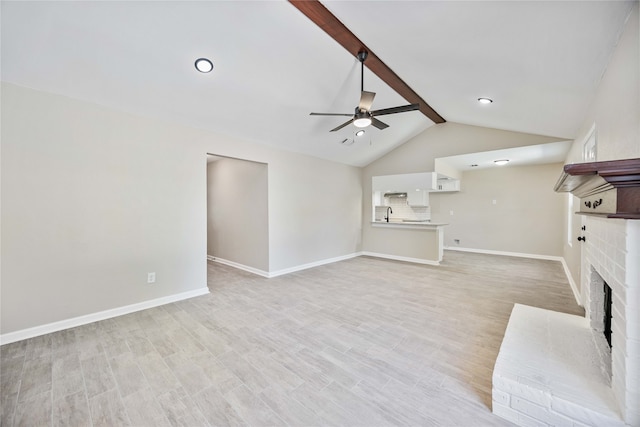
x,y
238,212
419,154
314,211
526,217
444,168
94,199
615,113
415,244
448,139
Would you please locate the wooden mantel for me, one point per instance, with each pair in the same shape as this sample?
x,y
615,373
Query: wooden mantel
x,y
610,189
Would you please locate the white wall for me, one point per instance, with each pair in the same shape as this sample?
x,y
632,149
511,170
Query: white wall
x,y
615,111
93,199
526,218
238,212
314,210
448,139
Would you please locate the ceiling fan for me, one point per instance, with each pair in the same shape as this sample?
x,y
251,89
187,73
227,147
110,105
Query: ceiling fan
x,y
363,117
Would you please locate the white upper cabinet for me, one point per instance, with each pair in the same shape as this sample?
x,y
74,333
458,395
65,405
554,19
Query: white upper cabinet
x,y
418,197
407,182
379,199
447,184
410,182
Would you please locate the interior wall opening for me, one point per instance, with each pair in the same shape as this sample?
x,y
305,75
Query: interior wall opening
x,y
237,213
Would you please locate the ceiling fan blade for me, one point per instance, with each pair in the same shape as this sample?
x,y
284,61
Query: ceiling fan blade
x,y
331,114
377,123
393,110
366,99
348,122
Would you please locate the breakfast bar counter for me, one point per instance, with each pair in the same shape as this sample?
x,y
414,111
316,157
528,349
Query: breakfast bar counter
x,y
409,240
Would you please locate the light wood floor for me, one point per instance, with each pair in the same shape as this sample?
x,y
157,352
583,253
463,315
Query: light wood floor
x,y
363,342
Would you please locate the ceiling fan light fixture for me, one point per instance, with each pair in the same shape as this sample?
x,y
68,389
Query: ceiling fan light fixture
x,y
204,65
485,101
360,132
362,122
361,119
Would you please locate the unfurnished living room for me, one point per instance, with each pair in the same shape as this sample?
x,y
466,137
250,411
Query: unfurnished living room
x,y
320,213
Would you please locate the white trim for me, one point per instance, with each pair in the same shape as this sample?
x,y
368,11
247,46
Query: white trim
x,y
504,253
277,273
95,317
572,282
402,258
427,226
586,152
313,264
239,266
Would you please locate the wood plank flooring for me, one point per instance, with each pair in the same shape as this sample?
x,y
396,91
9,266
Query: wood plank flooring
x,y
363,342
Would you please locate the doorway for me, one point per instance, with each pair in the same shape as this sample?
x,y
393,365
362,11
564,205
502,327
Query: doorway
x,y
237,213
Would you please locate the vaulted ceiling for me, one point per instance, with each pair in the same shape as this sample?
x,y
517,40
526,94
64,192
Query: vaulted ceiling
x,y
539,61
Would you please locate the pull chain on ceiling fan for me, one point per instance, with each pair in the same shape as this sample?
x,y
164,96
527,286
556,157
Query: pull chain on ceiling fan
x,y
362,116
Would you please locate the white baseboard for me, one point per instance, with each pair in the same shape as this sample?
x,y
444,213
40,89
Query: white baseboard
x,y
504,253
567,272
239,266
401,258
572,282
95,317
277,273
313,264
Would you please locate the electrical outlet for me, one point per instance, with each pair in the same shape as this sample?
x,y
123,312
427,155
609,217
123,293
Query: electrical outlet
x,y
451,213
494,201
151,277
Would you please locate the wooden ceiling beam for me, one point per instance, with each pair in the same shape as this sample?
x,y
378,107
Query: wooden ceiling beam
x,y
323,18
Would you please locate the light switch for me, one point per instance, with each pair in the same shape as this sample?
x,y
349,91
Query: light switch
x,y
493,201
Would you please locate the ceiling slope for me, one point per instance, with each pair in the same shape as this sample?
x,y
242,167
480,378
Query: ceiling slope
x,y
540,61
320,15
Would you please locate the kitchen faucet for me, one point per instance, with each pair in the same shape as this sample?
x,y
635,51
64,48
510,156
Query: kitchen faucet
x,y
389,211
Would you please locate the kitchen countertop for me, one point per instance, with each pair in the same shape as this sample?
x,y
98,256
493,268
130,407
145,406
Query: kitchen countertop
x,y
408,224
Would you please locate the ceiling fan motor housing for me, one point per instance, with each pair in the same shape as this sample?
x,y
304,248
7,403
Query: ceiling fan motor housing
x,y
363,116
361,113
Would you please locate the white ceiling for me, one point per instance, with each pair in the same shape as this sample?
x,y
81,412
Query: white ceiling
x,y
540,62
554,152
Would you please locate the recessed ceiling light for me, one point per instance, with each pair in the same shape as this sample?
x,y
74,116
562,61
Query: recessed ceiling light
x,y
474,165
485,101
360,132
501,162
204,65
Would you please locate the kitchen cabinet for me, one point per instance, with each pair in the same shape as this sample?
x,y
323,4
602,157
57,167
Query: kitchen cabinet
x,y
447,184
405,182
379,199
418,198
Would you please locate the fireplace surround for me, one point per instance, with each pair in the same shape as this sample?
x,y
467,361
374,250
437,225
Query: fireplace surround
x,y
558,369
611,254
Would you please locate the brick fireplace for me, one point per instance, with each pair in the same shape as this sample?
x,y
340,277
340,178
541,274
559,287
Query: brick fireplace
x,y
611,254
556,369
